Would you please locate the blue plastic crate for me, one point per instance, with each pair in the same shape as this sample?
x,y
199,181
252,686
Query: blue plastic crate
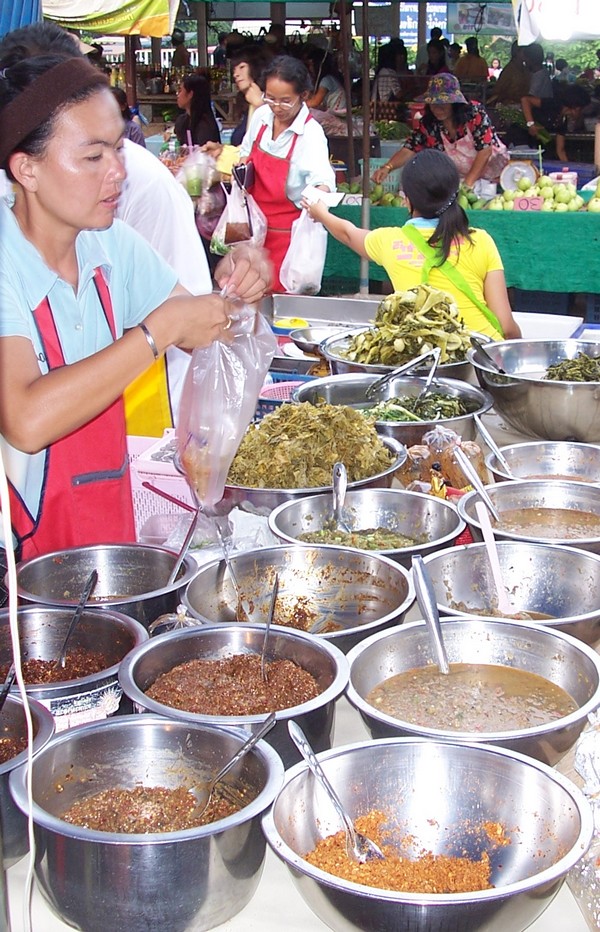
x,y
278,392
592,309
544,302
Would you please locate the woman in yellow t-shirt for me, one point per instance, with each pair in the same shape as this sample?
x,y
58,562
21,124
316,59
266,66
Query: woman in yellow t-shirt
x,y
436,245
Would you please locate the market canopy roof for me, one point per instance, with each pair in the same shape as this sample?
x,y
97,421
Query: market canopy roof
x,y
114,17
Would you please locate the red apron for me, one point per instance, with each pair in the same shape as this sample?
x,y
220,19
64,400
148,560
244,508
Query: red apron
x,y
271,173
86,494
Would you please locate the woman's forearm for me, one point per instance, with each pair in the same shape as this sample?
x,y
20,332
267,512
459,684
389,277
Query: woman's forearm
x,y
478,167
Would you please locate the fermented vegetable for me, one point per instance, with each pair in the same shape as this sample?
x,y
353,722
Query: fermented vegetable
x,y
583,368
409,323
374,538
430,407
297,446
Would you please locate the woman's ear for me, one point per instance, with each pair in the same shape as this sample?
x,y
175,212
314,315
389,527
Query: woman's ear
x,y
23,169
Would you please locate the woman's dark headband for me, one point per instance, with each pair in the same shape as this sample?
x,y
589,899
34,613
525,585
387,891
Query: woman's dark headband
x,y
41,98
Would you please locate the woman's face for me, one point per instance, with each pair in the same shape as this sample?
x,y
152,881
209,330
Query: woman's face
x,y
441,112
184,97
78,179
242,76
280,94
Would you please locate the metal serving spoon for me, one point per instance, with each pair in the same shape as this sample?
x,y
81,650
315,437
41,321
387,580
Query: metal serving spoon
x,y
243,607
358,846
340,484
493,446
374,387
504,606
87,591
184,548
263,653
226,789
471,474
480,347
427,603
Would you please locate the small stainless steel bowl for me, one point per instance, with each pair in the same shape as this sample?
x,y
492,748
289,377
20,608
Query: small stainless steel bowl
x,y
42,631
528,402
15,842
326,663
189,879
536,493
435,794
132,578
548,459
552,654
334,347
358,591
427,518
309,339
351,389
547,578
262,501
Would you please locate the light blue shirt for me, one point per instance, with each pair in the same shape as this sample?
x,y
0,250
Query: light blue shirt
x,y
310,159
138,280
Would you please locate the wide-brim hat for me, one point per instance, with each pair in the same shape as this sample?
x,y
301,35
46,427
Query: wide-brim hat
x,y
443,89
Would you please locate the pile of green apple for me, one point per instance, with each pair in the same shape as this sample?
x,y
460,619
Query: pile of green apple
x,y
354,188
557,196
381,198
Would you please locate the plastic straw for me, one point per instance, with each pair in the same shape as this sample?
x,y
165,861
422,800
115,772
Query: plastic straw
x,y
540,159
191,145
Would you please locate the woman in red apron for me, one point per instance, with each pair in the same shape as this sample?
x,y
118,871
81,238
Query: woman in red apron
x,y
288,150
85,305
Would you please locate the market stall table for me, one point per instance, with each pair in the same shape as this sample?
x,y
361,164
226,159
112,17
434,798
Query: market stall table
x,y
541,251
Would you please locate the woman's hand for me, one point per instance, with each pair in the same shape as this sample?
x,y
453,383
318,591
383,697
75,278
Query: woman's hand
x,y
246,273
380,174
317,210
212,148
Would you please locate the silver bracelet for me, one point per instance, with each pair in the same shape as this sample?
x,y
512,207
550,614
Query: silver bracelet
x,y
150,340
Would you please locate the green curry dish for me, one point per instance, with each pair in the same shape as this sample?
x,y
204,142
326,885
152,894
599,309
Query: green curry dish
x,y
297,446
583,368
376,538
434,406
408,324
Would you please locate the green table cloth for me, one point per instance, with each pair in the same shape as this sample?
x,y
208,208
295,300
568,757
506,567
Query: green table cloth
x,y
540,251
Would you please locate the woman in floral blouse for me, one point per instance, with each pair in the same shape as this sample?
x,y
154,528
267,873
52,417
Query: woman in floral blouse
x,y
460,128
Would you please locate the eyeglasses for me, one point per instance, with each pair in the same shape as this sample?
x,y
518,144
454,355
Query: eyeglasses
x,y
284,104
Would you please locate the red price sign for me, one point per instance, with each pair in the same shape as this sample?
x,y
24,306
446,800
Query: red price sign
x,y
528,203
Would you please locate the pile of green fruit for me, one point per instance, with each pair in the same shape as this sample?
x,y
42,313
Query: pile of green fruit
x,y
354,188
557,196
381,198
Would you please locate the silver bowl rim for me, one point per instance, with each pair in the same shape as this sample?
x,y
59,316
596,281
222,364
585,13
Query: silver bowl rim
x,y
303,342
416,548
394,446
461,387
568,485
327,350
492,463
58,826
190,568
125,621
524,378
555,871
511,542
332,636
330,694
460,737
46,728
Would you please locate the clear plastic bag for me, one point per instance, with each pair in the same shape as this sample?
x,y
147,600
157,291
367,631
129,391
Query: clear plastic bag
x,y
242,221
218,402
198,173
302,267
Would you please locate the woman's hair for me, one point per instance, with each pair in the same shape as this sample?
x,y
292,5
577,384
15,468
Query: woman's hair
x,y
292,71
461,114
200,106
431,183
472,45
386,57
438,46
15,80
121,98
254,56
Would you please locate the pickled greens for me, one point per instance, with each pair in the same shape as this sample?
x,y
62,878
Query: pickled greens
x,y
297,446
433,406
583,368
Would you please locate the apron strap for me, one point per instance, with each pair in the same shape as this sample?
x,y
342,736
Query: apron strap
x,y
450,271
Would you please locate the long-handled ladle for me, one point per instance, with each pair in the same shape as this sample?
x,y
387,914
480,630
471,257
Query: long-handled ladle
x,y
493,446
427,603
87,591
504,606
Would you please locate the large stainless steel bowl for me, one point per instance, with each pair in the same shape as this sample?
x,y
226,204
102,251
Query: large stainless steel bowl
x,y
15,843
350,389
552,654
548,459
536,407
359,592
326,664
334,347
547,578
42,631
191,879
536,493
435,794
433,521
262,501
132,578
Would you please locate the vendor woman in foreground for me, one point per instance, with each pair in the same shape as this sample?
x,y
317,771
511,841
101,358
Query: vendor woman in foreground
x,y
460,129
436,246
288,150
85,306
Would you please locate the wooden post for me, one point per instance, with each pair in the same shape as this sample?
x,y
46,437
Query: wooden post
x,y
202,33
130,75
597,147
345,39
422,25
365,213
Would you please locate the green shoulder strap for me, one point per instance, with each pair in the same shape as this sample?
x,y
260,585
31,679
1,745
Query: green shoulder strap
x,y
450,271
